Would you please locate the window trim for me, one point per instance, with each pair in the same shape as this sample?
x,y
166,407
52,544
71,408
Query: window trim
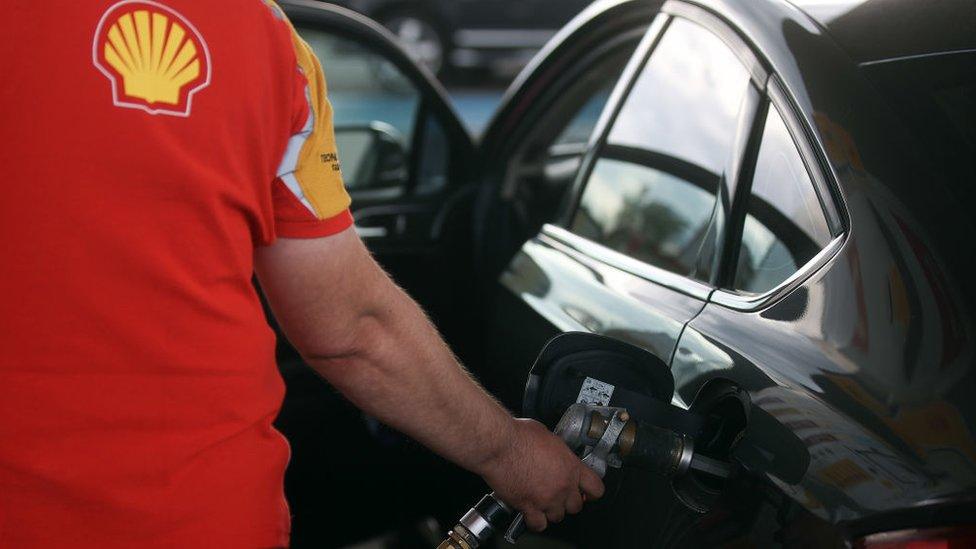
x,y
671,10
777,99
831,202
727,247
598,252
773,94
625,84
703,18
535,117
753,302
811,149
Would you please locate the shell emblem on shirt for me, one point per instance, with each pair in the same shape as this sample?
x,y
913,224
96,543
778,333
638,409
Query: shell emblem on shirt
x,y
155,59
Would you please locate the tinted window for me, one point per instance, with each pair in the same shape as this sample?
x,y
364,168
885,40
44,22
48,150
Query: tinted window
x,y
785,225
547,162
653,188
581,124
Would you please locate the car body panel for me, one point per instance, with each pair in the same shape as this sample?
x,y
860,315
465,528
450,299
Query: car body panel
x,y
869,360
882,336
574,292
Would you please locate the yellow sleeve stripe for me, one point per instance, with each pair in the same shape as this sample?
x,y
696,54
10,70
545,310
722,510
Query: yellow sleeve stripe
x,y
310,168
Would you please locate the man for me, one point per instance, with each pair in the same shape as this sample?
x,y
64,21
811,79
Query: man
x,y
156,155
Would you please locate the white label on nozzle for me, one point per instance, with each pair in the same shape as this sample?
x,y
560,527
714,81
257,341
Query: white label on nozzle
x,y
595,392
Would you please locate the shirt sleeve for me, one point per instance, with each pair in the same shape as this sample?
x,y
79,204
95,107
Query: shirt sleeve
x,y
309,198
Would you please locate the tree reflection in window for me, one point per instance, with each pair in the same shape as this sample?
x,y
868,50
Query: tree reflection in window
x,y
648,214
653,190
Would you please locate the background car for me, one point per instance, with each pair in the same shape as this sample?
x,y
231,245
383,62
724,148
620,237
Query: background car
x,y
775,198
447,35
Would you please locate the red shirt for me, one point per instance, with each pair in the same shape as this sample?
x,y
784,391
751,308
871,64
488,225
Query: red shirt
x,y
147,148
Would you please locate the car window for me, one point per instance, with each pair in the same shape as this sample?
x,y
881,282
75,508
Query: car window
x,y
652,191
375,109
545,166
581,124
785,225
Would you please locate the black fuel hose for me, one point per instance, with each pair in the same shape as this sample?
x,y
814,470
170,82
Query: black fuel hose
x,y
655,449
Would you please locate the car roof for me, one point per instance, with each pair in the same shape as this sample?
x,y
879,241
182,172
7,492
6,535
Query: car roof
x,y
875,30
819,50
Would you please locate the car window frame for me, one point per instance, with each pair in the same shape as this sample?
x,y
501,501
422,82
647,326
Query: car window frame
x,y
759,76
507,124
776,97
538,114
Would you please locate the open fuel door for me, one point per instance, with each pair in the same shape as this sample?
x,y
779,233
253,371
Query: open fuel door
x,y
611,403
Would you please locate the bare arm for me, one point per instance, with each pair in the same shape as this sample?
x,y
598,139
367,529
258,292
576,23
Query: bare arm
x,y
373,343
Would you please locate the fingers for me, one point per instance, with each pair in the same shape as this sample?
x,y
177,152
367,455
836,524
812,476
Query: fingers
x,y
543,478
556,514
574,503
535,520
590,483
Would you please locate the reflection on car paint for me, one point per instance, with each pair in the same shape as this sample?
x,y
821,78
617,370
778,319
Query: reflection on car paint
x,y
582,294
845,458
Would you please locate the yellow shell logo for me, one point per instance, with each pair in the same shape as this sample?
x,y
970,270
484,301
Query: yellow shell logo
x,y
154,57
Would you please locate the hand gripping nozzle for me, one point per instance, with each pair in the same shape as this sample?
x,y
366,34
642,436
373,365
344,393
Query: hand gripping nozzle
x,y
604,437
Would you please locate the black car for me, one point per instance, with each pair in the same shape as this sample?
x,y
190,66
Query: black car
x,y
774,198
499,35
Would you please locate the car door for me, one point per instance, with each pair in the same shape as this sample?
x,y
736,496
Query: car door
x,y
631,253
404,153
406,161
634,255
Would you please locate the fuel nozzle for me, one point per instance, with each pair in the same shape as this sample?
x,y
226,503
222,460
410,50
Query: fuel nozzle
x,y
603,437
642,445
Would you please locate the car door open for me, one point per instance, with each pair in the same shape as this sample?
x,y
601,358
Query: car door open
x,y
405,157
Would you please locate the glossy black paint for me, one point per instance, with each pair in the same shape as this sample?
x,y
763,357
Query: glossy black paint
x,y
872,30
860,372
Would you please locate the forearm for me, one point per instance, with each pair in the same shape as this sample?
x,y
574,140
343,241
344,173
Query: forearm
x,y
401,372
371,341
